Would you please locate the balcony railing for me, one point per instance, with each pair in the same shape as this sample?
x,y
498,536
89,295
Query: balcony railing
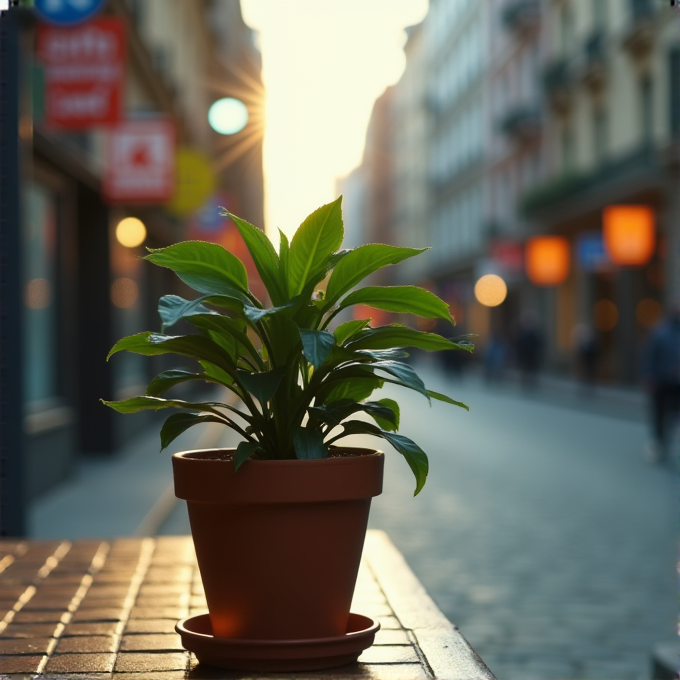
x,y
575,185
557,79
594,49
521,15
522,123
639,37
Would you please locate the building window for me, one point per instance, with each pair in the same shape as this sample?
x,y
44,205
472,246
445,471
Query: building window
x,y
646,110
40,294
567,142
674,90
600,133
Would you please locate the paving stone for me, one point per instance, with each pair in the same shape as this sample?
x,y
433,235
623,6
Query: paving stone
x,y
19,664
91,628
28,630
96,614
139,662
151,643
158,613
150,626
22,646
80,663
90,644
391,637
389,654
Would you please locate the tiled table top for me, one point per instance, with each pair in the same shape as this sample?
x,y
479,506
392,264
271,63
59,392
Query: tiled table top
x,y
99,609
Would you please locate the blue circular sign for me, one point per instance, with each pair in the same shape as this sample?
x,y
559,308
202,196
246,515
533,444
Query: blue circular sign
x,y
67,12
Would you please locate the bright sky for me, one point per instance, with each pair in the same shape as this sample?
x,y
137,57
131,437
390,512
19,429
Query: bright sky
x,y
324,64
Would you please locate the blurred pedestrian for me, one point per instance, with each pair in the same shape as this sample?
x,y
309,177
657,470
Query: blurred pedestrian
x,y
661,371
586,349
495,354
529,348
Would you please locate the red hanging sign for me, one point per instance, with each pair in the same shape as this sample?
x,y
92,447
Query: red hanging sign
x,y
139,162
84,73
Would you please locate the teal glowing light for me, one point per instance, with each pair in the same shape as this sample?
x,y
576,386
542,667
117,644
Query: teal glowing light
x,y
228,116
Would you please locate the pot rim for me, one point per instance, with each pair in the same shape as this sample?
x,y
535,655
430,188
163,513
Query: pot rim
x,y
211,480
332,460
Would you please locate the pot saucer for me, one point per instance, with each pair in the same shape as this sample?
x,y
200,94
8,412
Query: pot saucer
x,y
276,655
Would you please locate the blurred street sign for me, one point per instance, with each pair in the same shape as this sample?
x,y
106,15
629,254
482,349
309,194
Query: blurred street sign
x,y
591,254
84,73
67,12
140,162
508,255
195,182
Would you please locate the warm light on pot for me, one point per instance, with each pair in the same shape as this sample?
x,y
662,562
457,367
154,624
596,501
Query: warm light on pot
x,y
131,232
228,116
629,234
491,290
547,260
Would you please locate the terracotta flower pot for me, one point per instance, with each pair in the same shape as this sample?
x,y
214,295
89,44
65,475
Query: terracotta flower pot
x,y
278,542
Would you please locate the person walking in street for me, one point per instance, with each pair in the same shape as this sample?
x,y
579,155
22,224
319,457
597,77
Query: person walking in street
x,y
662,381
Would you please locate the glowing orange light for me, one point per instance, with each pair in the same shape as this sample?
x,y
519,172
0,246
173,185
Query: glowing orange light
x,y
547,260
629,233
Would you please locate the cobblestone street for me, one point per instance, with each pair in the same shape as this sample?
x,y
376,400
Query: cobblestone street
x,y
542,533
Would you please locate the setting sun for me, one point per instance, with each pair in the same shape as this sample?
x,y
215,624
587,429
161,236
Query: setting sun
x,y
324,64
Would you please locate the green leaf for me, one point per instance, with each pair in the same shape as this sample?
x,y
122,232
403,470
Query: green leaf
x,y
361,262
264,256
309,444
137,404
388,423
216,373
358,388
335,412
167,379
396,335
206,267
178,423
316,346
403,372
403,299
414,455
263,385
173,308
244,451
284,257
226,327
255,314
346,330
317,238
448,400
194,346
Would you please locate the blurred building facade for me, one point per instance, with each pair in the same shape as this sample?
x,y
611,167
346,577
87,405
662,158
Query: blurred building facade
x,y
538,115
83,289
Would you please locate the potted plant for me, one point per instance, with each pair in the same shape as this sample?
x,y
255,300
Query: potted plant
x,y
278,522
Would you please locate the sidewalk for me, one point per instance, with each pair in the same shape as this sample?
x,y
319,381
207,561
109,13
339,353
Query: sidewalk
x,y
129,494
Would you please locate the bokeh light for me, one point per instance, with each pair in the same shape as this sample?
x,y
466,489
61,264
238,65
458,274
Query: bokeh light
x,y
648,312
605,315
131,232
228,116
38,294
491,290
124,293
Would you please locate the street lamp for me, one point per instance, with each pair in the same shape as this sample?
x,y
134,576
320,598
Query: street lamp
x,y
228,116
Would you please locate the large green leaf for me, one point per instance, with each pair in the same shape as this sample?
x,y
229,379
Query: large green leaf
x,y
264,256
206,267
358,388
414,455
178,423
172,308
316,346
361,262
263,385
335,412
309,444
244,451
217,374
317,238
137,404
396,335
194,346
404,374
390,422
404,299
448,400
255,314
167,379
346,330
284,256
227,327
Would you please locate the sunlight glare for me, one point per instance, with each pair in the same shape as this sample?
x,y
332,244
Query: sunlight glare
x,y
324,64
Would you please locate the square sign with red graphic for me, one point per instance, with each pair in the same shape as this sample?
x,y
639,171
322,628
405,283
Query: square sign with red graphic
x,y
140,162
84,72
